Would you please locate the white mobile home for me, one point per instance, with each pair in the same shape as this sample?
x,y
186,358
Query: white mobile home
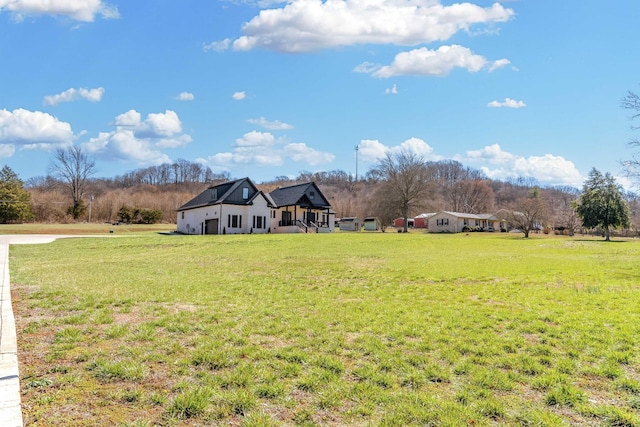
x,y
457,222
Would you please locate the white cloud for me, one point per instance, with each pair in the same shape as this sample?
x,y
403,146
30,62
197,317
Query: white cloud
x,y
271,125
217,46
85,10
239,96
185,96
508,102
366,67
264,149
392,90
547,169
256,139
492,154
93,95
499,64
33,130
299,152
7,150
164,124
159,126
427,62
130,118
140,140
311,25
372,150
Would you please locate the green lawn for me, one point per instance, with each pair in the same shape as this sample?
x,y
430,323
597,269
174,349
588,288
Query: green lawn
x,y
337,329
82,228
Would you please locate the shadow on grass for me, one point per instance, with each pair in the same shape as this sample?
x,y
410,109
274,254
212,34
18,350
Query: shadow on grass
x,y
601,240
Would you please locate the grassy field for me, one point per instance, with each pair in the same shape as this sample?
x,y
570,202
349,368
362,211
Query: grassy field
x,y
82,228
342,329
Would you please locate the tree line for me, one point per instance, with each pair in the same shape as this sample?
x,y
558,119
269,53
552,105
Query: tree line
x,y
399,185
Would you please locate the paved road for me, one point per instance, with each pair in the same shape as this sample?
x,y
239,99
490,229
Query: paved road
x,y
10,410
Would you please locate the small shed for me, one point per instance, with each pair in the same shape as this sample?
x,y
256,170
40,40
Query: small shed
x,y
350,224
371,224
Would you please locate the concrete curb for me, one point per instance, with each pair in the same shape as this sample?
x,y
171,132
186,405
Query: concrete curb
x,y
10,409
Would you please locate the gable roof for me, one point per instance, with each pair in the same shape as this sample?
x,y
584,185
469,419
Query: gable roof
x,y
469,215
223,192
298,195
352,219
426,215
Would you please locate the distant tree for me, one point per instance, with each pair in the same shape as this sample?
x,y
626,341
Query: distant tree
x,y
15,201
126,214
633,200
73,167
150,216
632,102
470,197
405,181
562,214
602,203
129,215
528,213
384,207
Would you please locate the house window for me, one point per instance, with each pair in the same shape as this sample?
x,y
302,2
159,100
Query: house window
x,y
234,221
465,222
259,221
312,195
214,194
245,193
182,215
442,221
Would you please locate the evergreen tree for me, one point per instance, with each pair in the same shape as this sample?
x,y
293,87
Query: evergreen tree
x,y
602,204
15,201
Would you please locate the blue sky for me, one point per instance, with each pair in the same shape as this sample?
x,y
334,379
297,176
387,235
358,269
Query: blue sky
x,y
526,88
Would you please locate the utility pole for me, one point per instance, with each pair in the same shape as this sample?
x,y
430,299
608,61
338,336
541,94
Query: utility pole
x,y
90,201
357,149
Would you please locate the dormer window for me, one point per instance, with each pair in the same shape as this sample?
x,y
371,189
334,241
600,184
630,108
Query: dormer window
x,y
312,195
245,193
214,194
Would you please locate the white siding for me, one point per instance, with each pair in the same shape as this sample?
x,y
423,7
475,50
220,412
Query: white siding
x,y
233,219
443,222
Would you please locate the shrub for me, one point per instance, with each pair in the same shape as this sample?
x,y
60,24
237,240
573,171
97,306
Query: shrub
x,y
129,215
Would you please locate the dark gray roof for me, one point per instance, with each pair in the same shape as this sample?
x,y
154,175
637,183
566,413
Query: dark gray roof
x,y
298,195
224,191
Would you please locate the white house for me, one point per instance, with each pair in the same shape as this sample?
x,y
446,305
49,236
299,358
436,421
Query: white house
x,y
238,207
457,222
235,207
301,208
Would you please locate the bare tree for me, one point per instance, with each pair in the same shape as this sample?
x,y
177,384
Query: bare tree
x,y
528,213
632,102
406,181
73,167
470,197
